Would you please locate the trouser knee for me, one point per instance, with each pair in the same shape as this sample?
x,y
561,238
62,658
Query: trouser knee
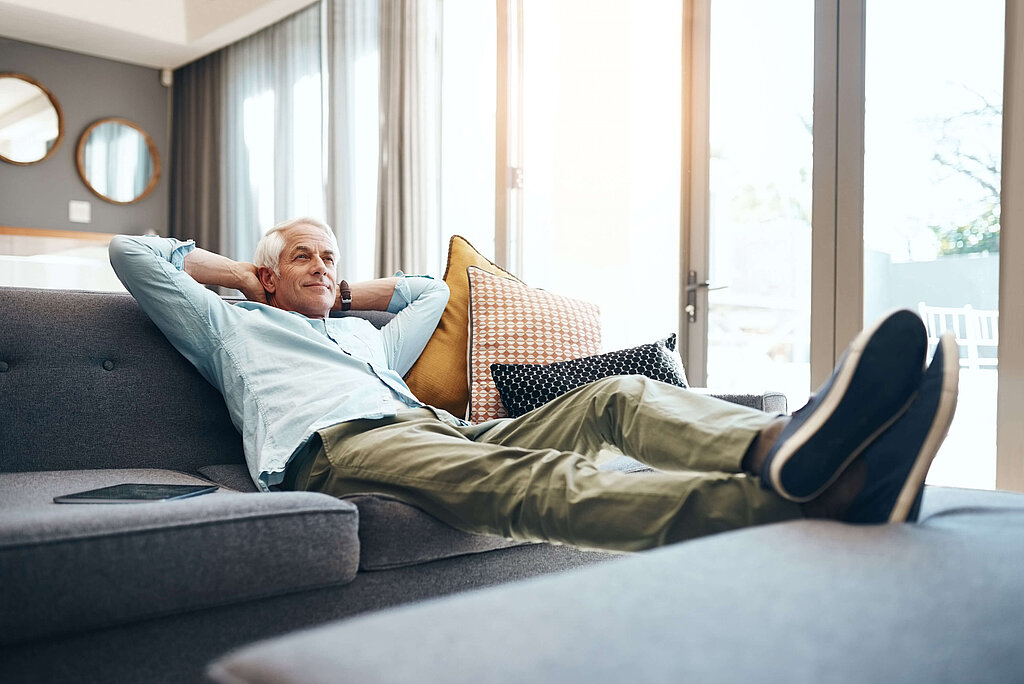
x,y
613,398
619,391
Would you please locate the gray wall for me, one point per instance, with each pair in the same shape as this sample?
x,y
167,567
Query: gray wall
x,y
88,88
953,281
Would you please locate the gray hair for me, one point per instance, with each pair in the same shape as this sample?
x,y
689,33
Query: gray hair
x,y
268,251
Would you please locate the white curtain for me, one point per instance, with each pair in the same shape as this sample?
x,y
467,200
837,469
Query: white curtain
x,y
273,144
289,122
351,77
408,192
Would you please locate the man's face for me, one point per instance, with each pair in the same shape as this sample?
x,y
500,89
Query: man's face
x,y
307,283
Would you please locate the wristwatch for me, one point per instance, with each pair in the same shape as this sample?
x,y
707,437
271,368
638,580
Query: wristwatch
x,y
346,295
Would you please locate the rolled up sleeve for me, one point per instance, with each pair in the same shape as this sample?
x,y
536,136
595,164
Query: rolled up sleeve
x,y
151,269
417,303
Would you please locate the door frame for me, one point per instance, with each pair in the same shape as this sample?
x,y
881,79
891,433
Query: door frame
x,y
837,232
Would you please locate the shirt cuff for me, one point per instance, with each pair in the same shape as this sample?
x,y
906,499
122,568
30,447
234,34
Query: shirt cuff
x,y
180,251
405,293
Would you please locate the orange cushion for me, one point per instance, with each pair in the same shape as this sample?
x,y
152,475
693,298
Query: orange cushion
x,y
439,377
511,322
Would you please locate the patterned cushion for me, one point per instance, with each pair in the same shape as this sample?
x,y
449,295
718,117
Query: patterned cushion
x,y
439,377
513,323
524,387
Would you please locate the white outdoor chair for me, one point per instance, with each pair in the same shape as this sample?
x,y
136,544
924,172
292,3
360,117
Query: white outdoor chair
x,y
976,330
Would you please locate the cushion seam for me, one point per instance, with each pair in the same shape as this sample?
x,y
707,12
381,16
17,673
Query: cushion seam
x,y
173,527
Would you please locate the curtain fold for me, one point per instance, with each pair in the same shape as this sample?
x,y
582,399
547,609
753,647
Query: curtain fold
x,y
248,145
197,169
351,80
273,130
408,188
333,112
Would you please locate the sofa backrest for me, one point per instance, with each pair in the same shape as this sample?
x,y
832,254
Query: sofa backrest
x,y
88,381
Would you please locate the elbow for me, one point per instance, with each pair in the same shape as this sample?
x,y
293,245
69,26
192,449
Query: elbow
x,y
440,290
120,248
128,252
124,247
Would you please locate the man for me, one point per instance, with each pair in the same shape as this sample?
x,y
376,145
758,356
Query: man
x,y
321,406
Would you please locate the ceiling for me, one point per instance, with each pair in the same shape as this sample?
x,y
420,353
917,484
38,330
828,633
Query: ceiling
x,y
152,33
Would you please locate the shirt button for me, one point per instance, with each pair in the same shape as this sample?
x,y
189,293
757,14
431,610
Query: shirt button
x,y
108,365
4,367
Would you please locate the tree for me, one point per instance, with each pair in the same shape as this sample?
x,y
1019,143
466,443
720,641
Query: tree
x,y
969,148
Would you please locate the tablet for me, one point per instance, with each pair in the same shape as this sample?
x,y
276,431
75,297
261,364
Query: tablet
x,y
136,493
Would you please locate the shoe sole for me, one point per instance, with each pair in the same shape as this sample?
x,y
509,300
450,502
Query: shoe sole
x,y
936,433
826,411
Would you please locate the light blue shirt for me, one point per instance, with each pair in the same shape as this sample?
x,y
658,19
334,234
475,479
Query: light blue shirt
x,y
283,376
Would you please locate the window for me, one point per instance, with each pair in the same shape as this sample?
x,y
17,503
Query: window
x,y
468,85
759,129
933,135
601,106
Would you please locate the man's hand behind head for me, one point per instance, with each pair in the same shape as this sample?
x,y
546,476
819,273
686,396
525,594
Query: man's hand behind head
x,y
249,283
210,268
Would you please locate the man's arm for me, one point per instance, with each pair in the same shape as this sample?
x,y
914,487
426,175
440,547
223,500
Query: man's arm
x,y
209,268
190,316
370,295
418,302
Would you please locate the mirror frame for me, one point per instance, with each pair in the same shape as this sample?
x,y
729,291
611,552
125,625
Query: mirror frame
x,y
56,105
80,159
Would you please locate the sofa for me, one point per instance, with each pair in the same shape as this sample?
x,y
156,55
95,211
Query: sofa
x,y
92,394
800,602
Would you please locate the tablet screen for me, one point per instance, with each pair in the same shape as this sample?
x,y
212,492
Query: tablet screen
x,y
129,493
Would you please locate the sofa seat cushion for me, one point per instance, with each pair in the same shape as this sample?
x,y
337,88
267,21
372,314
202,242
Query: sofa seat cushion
x,y
72,567
392,534
802,601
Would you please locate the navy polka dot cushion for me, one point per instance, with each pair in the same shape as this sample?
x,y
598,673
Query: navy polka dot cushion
x,y
525,386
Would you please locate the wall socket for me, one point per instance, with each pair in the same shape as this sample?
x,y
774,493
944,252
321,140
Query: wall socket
x,y
79,211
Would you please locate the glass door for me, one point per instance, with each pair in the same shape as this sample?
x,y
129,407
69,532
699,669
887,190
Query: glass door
x,y
600,176
932,140
761,87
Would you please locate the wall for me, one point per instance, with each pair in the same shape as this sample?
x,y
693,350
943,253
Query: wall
x,y
953,281
87,88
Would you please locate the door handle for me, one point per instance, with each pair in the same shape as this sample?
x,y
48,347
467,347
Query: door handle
x,y
691,294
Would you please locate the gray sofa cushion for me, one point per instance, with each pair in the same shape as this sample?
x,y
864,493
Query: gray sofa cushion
x,y
87,381
804,601
71,567
392,534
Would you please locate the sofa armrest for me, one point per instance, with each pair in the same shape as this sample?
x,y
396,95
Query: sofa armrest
x,y
769,401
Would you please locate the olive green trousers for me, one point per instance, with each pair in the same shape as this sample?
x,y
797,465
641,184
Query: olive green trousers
x,y
536,477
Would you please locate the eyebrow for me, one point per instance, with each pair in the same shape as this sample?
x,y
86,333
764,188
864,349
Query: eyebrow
x,y
298,249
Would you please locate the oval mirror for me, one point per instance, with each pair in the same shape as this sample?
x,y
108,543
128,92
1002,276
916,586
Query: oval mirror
x,y
118,161
31,122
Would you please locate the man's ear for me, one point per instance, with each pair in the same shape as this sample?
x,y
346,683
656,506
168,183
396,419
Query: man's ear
x,y
268,279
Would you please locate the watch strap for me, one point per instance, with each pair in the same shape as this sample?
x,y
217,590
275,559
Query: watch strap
x,y
346,295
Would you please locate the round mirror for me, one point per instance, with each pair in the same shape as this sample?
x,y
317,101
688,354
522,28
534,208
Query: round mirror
x,y
31,124
118,161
